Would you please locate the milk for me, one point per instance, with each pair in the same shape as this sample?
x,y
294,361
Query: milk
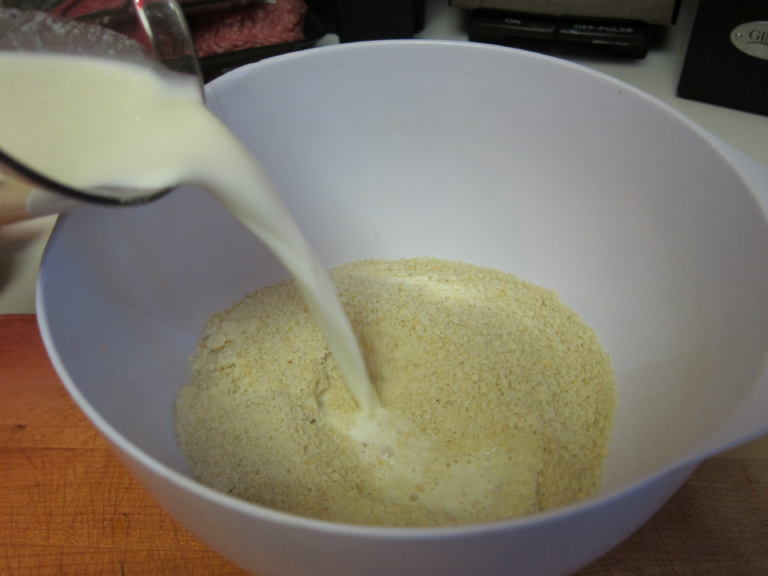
x,y
90,122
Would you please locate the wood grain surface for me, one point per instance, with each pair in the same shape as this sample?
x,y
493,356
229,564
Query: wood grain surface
x,y
69,507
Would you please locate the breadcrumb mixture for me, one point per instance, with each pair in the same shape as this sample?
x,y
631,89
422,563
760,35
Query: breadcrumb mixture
x,y
498,400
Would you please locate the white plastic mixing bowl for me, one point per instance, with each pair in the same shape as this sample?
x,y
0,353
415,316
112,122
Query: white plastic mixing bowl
x,y
651,228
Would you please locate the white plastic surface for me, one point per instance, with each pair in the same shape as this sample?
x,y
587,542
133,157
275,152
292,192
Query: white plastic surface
x,y
648,226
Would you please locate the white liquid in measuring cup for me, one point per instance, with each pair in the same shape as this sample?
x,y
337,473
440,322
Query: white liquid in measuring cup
x,y
92,122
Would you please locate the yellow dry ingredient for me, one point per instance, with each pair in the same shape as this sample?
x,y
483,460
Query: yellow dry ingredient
x,y
498,400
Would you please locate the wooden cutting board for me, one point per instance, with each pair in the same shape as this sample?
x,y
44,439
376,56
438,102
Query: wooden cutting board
x,y
69,507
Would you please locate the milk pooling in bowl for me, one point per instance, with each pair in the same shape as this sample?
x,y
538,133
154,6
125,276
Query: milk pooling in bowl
x,y
90,122
497,400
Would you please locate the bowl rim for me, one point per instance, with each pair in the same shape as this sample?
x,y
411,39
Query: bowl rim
x,y
245,508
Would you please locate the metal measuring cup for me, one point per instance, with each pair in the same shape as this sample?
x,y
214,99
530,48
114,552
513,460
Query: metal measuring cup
x,y
148,32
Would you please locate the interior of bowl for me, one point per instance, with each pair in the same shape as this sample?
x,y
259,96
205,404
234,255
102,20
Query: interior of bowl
x,y
488,155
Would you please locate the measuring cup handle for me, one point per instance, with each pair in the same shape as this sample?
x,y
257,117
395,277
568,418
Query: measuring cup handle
x,y
22,201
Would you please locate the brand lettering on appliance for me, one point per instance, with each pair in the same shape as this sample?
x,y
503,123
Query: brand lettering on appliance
x,y
758,36
751,38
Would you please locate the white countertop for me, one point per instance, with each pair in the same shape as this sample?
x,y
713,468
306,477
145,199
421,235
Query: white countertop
x,y
21,245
